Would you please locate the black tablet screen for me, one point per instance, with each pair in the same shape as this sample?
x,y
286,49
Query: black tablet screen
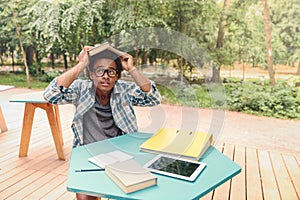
x,y
174,166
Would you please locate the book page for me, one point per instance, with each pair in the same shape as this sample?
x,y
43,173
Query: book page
x,y
105,159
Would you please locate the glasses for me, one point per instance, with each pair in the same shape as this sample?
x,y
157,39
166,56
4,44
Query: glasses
x,y
100,71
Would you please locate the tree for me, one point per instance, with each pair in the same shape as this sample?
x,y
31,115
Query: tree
x,y
268,42
220,41
285,20
14,18
142,14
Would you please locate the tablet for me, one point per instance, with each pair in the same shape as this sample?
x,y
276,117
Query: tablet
x,y
175,167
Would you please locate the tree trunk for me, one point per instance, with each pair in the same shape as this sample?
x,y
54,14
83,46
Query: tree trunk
x,y
144,57
268,42
52,60
216,78
37,62
298,71
29,55
220,40
244,70
22,49
12,58
180,65
65,61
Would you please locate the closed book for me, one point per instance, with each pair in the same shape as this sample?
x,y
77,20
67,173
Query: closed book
x,y
130,176
187,144
105,46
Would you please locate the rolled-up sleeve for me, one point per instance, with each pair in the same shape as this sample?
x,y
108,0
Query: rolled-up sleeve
x,y
151,98
55,94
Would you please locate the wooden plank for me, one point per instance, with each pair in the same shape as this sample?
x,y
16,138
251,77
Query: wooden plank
x,y
38,149
39,163
37,144
8,173
29,189
238,184
294,172
56,192
286,188
18,177
12,189
223,191
55,164
46,188
38,155
253,181
67,195
13,137
270,189
63,169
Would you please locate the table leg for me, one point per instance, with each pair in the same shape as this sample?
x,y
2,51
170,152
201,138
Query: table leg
x,y
56,131
3,126
26,129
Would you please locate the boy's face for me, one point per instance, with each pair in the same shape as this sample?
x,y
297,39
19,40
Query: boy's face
x,y
104,74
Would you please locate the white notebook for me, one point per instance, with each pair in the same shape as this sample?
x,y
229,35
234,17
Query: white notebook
x,y
104,159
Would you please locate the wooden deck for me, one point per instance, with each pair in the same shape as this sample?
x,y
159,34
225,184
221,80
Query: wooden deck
x,y
266,174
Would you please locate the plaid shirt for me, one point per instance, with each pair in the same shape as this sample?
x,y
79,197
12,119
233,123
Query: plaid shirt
x,y
124,96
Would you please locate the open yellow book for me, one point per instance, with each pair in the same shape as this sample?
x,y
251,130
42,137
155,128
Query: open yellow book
x,y
188,144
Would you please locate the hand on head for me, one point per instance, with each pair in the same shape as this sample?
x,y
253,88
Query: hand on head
x,y
83,56
127,62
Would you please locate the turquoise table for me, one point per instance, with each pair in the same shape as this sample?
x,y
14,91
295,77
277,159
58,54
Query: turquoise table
x,y
219,169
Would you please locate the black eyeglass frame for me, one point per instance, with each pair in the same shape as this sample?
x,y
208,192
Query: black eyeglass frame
x,y
107,71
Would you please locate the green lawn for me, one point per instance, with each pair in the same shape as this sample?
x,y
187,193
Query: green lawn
x,y
19,80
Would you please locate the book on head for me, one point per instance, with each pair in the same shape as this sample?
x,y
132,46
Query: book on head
x,y
105,46
130,176
187,144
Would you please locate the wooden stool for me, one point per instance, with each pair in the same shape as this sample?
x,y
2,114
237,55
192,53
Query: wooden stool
x,y
3,126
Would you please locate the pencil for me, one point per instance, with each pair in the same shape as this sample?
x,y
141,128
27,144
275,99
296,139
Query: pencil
x,y
88,170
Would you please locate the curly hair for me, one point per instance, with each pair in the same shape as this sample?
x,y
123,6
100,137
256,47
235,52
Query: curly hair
x,y
104,54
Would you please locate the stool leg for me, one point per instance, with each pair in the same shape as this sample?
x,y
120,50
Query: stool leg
x,y
3,126
58,123
56,134
26,129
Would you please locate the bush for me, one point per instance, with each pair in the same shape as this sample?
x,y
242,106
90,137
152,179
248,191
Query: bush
x,y
49,76
278,101
281,101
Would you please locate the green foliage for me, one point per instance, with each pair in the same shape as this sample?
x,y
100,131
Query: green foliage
x,y
279,101
49,76
179,93
167,94
203,96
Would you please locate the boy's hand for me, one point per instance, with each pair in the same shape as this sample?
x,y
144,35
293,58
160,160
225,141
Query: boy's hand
x,y
84,57
127,62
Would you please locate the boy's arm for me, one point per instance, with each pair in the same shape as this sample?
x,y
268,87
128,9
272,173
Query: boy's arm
x,y
67,78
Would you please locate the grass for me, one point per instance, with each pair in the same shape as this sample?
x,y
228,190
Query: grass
x,y
19,80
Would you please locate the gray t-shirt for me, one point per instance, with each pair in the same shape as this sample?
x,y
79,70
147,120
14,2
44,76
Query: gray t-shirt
x,y
98,124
